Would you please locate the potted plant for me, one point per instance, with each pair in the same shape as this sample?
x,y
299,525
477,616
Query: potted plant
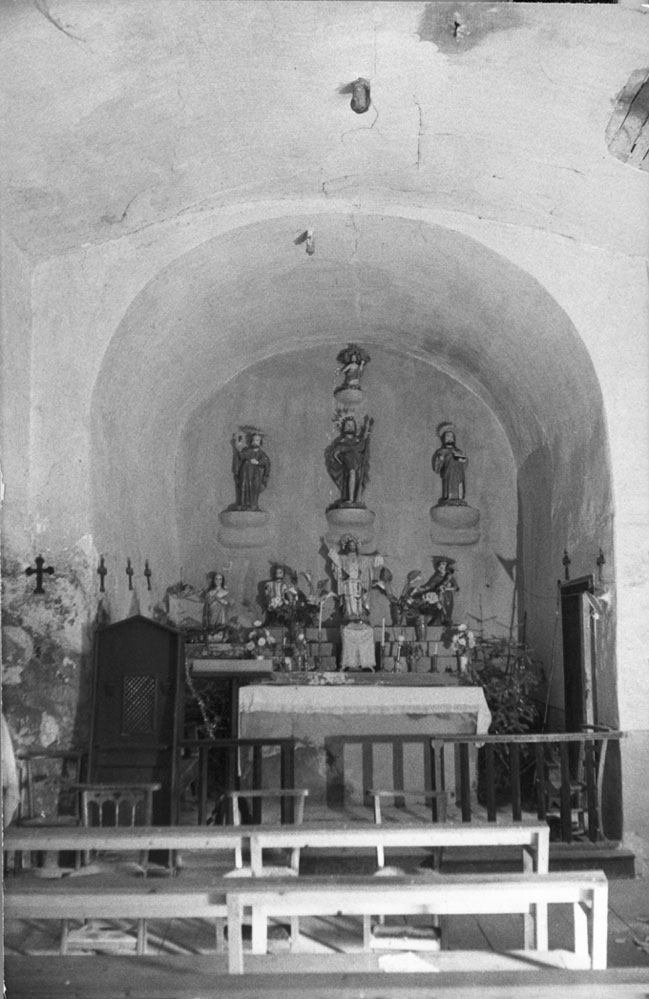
x,y
505,671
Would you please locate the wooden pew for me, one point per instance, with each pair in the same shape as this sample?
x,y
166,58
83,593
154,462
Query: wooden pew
x,y
47,899
586,891
532,837
123,839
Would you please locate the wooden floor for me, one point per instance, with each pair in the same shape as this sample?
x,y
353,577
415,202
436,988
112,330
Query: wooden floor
x,y
183,963
200,978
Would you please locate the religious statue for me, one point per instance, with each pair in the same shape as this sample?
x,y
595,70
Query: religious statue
x,y
351,362
353,576
216,602
280,595
443,585
348,460
250,468
450,463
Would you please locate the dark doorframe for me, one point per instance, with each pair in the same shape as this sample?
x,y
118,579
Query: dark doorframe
x,y
579,653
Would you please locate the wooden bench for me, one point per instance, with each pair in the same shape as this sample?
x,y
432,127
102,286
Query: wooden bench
x,y
126,839
52,900
586,891
532,837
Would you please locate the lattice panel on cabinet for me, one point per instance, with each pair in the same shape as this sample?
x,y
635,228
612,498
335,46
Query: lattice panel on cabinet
x,y
138,704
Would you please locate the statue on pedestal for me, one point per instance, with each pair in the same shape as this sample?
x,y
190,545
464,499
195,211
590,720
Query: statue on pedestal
x,y
353,576
351,362
348,460
216,601
450,463
281,597
444,585
250,468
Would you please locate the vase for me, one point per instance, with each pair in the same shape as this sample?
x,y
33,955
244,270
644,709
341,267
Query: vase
x,y
420,628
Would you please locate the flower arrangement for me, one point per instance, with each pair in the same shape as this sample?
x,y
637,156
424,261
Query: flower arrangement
x,y
260,641
462,643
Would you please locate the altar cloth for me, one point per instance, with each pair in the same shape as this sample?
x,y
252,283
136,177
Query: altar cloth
x,y
292,702
348,736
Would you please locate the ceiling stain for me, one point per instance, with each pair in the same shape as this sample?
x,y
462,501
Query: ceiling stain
x,y
627,132
456,28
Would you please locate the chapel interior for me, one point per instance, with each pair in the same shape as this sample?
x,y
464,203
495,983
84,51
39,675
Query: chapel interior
x,y
324,476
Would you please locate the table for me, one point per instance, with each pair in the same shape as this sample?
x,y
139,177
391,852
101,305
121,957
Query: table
x,y
354,736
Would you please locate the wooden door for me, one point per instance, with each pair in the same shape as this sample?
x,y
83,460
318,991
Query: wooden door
x,y
138,702
578,654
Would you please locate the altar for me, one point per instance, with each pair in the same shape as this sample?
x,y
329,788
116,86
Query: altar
x,y
351,735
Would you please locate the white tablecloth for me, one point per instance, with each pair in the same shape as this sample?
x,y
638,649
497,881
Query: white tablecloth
x,y
291,703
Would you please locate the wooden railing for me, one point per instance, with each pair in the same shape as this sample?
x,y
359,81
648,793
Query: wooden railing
x,y
573,800
216,764
558,777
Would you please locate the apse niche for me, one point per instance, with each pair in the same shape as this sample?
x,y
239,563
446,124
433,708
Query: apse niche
x,y
290,399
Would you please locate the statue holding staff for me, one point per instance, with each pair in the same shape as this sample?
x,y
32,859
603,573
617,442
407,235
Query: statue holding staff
x,y
347,459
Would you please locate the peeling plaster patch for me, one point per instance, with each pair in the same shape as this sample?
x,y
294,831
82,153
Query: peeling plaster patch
x,y
49,730
455,28
12,676
17,646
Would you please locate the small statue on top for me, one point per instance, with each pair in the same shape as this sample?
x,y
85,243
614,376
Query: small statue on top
x,y
351,362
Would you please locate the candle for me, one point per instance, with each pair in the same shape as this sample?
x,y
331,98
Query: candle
x,y
320,619
383,632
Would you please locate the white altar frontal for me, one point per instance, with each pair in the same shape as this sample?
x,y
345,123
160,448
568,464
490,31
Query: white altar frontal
x,y
353,736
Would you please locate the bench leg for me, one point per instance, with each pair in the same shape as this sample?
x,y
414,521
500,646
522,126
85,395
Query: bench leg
x,y
220,935
599,922
141,936
259,930
65,933
541,919
529,932
235,936
295,931
581,930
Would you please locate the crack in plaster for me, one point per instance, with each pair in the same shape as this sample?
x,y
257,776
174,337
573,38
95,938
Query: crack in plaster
x,y
420,129
367,128
118,219
43,7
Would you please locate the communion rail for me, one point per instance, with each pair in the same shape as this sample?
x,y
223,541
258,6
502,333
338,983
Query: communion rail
x,y
564,773
577,760
215,766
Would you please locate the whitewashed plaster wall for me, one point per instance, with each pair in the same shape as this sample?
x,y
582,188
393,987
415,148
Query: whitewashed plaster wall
x,y
503,143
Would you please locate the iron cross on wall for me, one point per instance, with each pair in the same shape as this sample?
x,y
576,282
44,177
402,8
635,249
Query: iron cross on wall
x,y
39,572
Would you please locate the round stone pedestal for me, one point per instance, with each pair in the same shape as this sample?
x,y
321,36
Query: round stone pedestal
x,y
348,397
350,520
454,525
244,528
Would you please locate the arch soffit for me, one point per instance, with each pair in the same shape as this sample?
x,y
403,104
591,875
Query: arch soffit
x,y
429,291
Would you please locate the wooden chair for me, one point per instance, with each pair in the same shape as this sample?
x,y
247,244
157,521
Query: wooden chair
x,y
47,787
111,805
277,794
